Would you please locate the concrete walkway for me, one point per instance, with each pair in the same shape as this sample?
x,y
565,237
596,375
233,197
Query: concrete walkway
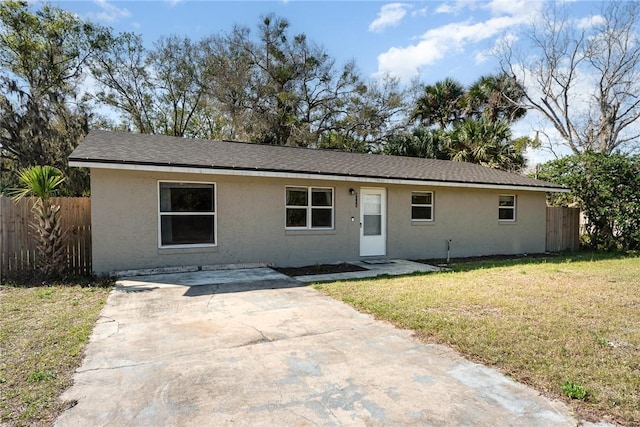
x,y
271,351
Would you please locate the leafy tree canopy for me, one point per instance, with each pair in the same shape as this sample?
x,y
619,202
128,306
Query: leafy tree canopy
x,y
607,189
470,125
43,114
267,86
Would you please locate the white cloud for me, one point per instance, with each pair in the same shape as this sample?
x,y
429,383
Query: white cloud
x,y
482,56
510,7
590,22
404,62
436,44
506,39
445,8
455,6
503,43
419,12
390,15
108,13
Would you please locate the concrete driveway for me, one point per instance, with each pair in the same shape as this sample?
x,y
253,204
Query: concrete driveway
x,y
265,350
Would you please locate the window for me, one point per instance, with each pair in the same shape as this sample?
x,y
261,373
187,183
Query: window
x,y
507,208
309,208
422,206
187,213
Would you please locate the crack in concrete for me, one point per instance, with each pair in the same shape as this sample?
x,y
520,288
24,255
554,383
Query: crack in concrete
x,y
257,341
209,301
291,411
105,320
331,412
317,334
114,367
265,339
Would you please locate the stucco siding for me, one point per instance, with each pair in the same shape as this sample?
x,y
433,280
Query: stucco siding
x,y
251,223
469,219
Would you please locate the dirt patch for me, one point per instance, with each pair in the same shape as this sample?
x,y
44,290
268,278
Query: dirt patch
x,y
310,270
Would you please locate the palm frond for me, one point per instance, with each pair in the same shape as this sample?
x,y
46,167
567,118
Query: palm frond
x,y
38,181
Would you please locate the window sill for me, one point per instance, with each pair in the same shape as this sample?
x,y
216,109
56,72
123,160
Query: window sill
x,y
424,222
308,232
507,222
187,250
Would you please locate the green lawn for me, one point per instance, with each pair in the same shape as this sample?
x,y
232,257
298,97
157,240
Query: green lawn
x,y
565,326
43,331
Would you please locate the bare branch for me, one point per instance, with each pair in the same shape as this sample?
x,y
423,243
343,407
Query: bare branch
x,y
568,60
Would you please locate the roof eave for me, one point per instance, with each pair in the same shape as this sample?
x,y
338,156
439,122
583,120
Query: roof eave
x,y
199,169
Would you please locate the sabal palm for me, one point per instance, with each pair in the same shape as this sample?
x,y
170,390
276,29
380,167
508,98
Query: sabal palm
x,y
421,142
440,104
42,182
495,97
487,143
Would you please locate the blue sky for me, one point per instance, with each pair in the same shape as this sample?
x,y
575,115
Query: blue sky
x,y
430,40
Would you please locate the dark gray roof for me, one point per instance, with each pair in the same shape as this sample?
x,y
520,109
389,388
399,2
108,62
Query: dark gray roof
x,y
105,147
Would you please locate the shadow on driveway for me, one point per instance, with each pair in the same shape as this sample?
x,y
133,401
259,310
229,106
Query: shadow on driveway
x,y
195,291
212,282
274,352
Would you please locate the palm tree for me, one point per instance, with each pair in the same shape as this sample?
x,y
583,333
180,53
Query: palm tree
x,y
487,143
42,182
421,142
440,104
495,97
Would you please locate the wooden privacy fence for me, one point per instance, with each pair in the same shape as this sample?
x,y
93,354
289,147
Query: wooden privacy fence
x,y
563,229
17,243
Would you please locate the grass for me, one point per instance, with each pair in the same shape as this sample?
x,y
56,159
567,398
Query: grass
x,y
43,331
567,326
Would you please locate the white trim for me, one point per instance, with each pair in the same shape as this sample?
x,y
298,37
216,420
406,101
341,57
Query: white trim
x,y
513,208
215,216
302,175
309,208
431,205
374,245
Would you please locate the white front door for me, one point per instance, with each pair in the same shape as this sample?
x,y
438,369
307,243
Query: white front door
x,y
373,221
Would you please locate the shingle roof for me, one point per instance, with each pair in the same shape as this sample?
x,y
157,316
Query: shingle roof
x,y
105,147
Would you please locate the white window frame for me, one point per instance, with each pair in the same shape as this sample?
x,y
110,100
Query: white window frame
x,y
512,208
309,208
214,213
423,205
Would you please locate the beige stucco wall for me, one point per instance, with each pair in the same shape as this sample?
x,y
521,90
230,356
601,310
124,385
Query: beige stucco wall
x,y
250,223
469,218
